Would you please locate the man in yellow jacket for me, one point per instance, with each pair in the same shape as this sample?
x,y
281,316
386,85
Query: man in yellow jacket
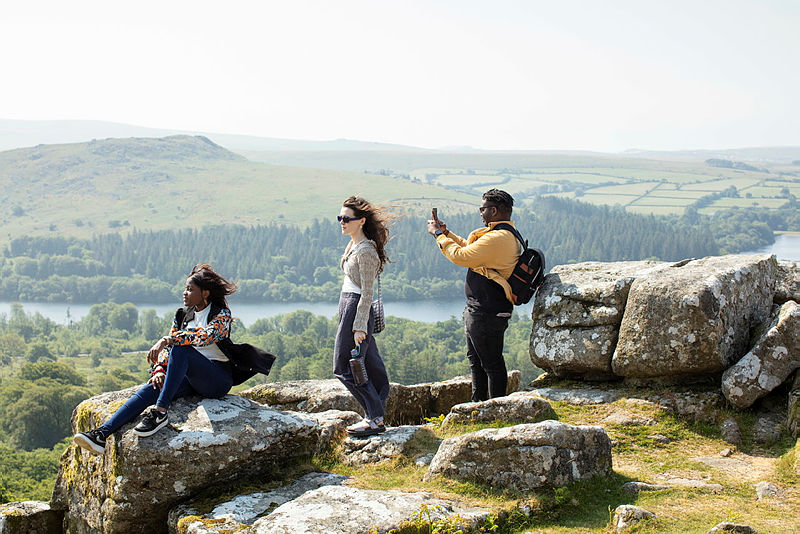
x,y
490,256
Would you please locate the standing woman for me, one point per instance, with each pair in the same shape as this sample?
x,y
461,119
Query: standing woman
x,y
362,261
197,357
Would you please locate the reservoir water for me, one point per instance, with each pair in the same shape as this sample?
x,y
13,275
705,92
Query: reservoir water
x,y
428,311
786,247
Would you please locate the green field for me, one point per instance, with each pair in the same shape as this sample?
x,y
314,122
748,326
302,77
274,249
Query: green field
x,y
116,185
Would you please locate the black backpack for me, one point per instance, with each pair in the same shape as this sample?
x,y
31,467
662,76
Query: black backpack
x,y
528,274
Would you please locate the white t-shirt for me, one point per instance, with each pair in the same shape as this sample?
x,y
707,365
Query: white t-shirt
x,y
212,351
348,286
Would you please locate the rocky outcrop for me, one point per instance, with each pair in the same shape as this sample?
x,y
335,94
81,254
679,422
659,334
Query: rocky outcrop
x,y
693,318
526,456
318,502
233,515
30,517
645,320
405,405
775,356
396,441
131,487
345,510
787,286
732,528
520,407
696,404
577,313
627,515
793,412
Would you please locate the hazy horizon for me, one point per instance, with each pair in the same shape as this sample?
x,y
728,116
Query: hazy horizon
x,y
507,75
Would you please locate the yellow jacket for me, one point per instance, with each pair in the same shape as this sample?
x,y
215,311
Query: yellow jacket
x,y
492,254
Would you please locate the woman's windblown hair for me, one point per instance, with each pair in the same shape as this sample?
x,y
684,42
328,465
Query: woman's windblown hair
x,y
205,277
376,226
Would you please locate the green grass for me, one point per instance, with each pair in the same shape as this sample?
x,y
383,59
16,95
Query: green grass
x,y
585,506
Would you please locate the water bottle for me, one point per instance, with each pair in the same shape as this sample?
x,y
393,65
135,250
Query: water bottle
x,y
357,367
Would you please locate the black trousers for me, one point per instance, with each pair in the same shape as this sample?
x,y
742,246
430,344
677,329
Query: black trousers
x,y
485,333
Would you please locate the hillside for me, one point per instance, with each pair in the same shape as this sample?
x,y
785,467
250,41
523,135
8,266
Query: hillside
x,y
89,188
664,183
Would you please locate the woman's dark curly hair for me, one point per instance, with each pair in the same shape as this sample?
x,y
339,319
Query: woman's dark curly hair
x,y
205,277
376,224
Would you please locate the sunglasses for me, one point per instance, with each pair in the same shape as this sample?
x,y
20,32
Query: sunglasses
x,y
345,219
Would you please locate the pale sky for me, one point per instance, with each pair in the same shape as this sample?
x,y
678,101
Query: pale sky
x,y
595,75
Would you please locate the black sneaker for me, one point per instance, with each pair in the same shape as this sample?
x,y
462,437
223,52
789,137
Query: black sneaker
x,y
93,441
152,422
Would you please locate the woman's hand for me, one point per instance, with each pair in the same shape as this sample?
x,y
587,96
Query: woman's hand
x,y
157,380
359,336
155,350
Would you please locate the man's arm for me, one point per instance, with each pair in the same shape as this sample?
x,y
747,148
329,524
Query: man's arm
x,y
484,252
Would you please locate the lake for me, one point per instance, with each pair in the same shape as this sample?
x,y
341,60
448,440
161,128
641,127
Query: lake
x,y
786,247
428,311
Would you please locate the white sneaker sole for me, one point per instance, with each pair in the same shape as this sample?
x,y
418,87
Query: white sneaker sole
x,y
85,443
158,427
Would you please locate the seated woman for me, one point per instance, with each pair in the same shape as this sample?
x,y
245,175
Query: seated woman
x,y
197,357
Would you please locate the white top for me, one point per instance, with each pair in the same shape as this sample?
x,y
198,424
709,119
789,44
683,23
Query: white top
x,y
212,351
348,286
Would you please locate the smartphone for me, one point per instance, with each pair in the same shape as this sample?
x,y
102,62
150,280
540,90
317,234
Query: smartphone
x,y
435,212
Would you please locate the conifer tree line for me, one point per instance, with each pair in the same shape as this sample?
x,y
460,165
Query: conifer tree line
x,y
285,263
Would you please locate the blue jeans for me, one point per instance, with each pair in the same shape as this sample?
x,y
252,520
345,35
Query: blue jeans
x,y
188,373
372,395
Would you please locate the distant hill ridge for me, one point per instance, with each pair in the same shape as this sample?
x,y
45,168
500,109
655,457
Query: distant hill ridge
x,y
27,133
180,181
19,133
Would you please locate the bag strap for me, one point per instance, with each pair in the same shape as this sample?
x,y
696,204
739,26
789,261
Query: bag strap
x,y
506,226
380,297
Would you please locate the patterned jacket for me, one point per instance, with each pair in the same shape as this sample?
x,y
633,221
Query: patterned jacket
x,y
246,360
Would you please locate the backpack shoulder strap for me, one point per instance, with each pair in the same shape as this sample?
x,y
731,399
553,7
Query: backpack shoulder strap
x,y
506,226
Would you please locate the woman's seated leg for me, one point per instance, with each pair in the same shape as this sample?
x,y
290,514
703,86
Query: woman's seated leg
x,y
205,378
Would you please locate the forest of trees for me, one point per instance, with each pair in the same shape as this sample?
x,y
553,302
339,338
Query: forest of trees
x,y
288,264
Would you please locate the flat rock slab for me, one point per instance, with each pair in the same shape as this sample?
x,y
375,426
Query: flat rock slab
x,y
134,484
405,405
696,484
520,407
694,318
741,467
774,357
396,441
732,528
525,456
635,487
703,406
348,510
579,396
236,514
625,418
30,517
